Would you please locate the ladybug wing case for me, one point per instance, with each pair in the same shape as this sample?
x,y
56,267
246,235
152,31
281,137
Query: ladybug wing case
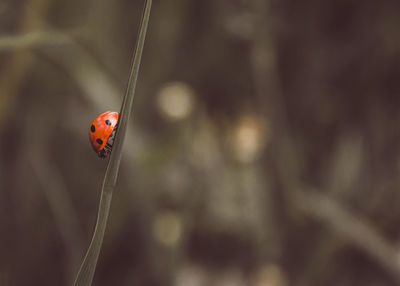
x,y
101,130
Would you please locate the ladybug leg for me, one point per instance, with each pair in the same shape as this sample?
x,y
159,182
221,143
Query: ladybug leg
x,y
110,140
103,153
108,147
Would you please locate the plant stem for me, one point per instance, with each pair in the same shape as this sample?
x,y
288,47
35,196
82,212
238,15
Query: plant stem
x,y
88,267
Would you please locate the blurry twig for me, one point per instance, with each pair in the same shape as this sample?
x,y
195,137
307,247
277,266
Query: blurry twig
x,y
263,56
88,73
60,204
35,154
319,264
351,227
32,39
325,210
288,160
15,66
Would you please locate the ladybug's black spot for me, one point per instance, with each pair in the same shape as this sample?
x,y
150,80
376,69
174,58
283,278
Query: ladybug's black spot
x,y
92,128
99,141
108,122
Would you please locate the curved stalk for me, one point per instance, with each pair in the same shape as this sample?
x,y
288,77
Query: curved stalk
x,y
88,267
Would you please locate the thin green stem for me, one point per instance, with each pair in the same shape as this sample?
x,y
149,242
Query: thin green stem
x,y
88,267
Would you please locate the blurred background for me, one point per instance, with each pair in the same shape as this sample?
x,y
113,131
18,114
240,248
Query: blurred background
x,y
264,148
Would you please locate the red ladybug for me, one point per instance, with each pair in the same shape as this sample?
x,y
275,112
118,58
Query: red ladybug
x,y
102,132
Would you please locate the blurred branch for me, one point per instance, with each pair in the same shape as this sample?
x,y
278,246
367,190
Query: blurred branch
x,y
61,206
327,211
263,57
319,264
32,40
351,227
289,162
34,155
85,69
332,214
16,65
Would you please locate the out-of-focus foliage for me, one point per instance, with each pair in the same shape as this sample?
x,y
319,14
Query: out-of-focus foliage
x,y
264,147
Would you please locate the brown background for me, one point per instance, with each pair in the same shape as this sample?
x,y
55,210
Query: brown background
x,y
280,167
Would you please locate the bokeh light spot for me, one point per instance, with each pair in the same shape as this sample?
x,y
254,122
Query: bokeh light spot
x,y
175,101
269,275
249,137
167,228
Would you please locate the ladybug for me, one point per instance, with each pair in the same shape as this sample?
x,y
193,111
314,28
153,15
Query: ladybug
x,y
102,132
